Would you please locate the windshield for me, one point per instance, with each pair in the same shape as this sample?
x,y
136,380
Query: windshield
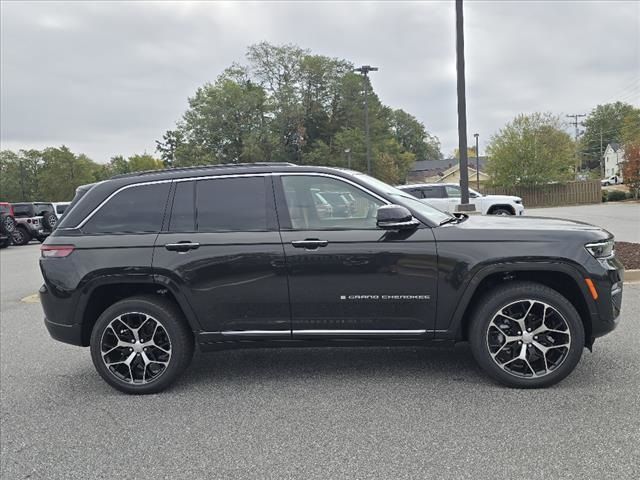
x,y
401,197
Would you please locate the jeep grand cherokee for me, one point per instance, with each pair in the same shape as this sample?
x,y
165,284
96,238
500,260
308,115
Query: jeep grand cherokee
x,y
144,267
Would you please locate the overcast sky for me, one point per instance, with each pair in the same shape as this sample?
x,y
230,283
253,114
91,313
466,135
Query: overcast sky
x,y
109,78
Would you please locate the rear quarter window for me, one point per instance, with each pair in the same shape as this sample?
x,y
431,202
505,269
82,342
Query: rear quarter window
x,y
23,211
138,209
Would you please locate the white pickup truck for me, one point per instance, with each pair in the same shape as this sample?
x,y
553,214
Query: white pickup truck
x,y
445,196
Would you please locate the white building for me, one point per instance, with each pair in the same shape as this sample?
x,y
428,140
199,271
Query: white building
x,y
613,159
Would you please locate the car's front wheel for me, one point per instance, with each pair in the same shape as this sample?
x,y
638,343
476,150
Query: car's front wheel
x,y
501,211
141,344
526,335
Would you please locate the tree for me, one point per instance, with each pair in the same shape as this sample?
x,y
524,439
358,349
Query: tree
x,y
630,130
631,168
532,149
135,163
413,137
52,174
608,120
290,105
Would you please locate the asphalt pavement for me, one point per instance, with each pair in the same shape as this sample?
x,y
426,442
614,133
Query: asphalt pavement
x,y
317,413
620,218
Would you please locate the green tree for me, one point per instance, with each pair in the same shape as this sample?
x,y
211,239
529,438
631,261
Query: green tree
x,y
604,122
288,104
630,130
62,172
532,149
413,137
52,174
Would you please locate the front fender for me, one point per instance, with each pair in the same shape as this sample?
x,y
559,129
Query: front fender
x,y
452,329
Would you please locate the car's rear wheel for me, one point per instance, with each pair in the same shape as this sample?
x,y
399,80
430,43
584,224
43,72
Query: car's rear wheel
x,y
526,335
141,344
20,236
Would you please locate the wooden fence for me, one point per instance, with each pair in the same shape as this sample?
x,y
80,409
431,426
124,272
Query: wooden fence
x,y
552,194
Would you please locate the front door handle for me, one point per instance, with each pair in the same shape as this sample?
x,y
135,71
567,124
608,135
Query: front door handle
x,y
181,246
310,243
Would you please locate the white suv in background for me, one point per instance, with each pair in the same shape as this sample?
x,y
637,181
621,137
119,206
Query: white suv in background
x,y
445,196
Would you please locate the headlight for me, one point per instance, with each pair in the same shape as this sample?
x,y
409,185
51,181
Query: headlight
x,y
603,249
518,201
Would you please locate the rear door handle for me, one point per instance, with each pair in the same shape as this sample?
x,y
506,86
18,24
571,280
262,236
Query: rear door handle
x,y
182,246
310,243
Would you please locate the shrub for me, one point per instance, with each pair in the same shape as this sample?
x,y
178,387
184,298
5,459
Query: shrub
x,y
616,196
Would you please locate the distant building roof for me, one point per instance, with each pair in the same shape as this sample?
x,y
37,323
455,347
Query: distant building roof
x,y
432,166
615,146
422,165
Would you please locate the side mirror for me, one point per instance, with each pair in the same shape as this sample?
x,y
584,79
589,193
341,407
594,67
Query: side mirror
x,y
395,217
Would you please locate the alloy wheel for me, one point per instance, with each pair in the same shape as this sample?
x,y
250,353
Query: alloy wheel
x,y
528,338
135,348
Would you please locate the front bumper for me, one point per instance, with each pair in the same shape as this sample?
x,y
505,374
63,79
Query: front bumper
x,y
609,303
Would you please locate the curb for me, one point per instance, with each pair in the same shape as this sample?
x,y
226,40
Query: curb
x,y
632,276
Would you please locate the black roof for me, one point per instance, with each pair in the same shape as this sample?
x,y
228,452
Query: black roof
x,y
203,168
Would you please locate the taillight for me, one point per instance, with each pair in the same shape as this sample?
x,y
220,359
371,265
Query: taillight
x,y
56,251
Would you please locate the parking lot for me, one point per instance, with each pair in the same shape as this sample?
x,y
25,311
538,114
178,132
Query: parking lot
x,y
620,218
319,413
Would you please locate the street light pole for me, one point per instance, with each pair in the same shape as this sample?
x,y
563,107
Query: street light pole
x,y
364,70
477,163
348,152
462,113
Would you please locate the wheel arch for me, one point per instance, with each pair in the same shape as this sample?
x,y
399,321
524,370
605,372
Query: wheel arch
x,y
501,206
104,292
562,277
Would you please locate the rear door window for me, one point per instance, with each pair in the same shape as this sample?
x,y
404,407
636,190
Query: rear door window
x,y
436,191
237,204
452,191
183,214
138,209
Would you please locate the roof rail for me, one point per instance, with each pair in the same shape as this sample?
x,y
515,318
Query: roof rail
x,y
204,167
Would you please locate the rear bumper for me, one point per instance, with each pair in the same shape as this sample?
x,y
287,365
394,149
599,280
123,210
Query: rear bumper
x,y
57,313
71,334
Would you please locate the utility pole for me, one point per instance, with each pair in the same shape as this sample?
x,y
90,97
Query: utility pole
x,y
477,162
601,153
575,123
364,70
462,113
22,180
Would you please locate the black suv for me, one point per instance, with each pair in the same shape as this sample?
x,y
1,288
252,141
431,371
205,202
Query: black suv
x,y
143,267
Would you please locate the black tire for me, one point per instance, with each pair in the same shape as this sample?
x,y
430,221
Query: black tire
x,y
178,334
5,243
21,235
49,220
494,304
7,224
501,211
